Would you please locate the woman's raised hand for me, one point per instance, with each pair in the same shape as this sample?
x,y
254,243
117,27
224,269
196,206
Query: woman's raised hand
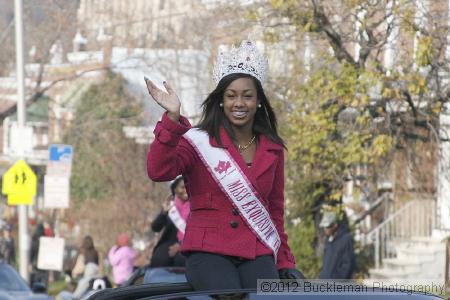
x,y
167,100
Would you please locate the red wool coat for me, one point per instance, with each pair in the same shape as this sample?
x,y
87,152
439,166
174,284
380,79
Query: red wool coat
x,y
213,224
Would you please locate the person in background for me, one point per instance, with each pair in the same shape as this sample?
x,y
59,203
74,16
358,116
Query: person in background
x,y
339,256
7,246
89,255
91,271
34,250
173,220
43,229
121,256
48,230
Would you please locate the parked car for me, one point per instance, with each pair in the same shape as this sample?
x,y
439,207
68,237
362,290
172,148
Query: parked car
x,y
12,286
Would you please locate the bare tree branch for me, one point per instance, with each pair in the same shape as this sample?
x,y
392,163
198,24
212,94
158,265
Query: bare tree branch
x,y
410,102
334,38
41,91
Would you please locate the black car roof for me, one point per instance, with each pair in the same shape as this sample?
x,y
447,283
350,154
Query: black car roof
x,y
184,290
141,291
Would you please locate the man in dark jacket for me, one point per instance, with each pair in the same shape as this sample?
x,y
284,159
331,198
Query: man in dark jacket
x,y
339,257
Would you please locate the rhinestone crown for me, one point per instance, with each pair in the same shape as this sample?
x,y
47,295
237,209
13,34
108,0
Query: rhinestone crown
x,y
245,59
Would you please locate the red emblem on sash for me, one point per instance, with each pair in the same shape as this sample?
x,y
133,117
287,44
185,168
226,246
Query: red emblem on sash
x,y
222,166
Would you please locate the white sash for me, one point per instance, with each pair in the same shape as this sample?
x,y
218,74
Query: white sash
x,y
176,218
237,187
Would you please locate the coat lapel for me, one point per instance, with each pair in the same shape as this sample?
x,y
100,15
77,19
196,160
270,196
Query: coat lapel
x,y
264,158
227,144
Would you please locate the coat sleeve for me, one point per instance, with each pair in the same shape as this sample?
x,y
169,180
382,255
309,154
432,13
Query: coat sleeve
x,y
169,155
132,255
285,259
114,256
159,222
346,262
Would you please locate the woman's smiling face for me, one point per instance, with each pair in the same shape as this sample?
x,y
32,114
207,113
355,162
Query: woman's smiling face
x,y
240,102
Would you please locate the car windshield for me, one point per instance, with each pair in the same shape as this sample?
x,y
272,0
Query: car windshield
x,y
10,280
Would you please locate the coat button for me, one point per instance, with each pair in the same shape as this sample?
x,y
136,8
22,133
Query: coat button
x,y
235,212
234,224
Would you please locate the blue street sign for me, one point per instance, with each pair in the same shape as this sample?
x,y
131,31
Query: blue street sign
x,y
60,153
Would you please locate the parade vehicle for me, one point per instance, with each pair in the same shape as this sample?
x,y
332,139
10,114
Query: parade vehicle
x,y
182,290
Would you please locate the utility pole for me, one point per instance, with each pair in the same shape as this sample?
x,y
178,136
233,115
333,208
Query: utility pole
x,y
21,121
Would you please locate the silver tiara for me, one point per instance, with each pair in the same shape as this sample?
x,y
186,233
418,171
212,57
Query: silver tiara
x,y
245,59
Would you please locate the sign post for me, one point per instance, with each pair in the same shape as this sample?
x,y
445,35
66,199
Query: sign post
x,y
21,122
20,185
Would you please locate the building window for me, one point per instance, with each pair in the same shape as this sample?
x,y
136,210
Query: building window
x,y
161,4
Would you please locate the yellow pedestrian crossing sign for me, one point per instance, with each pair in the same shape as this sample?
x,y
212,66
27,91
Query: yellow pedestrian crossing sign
x,y
19,184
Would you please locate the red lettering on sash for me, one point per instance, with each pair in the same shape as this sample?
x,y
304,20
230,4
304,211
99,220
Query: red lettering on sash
x,y
244,206
254,215
252,208
236,193
243,197
235,185
264,225
277,244
269,232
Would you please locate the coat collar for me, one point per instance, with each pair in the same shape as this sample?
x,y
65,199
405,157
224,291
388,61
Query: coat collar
x,y
265,156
